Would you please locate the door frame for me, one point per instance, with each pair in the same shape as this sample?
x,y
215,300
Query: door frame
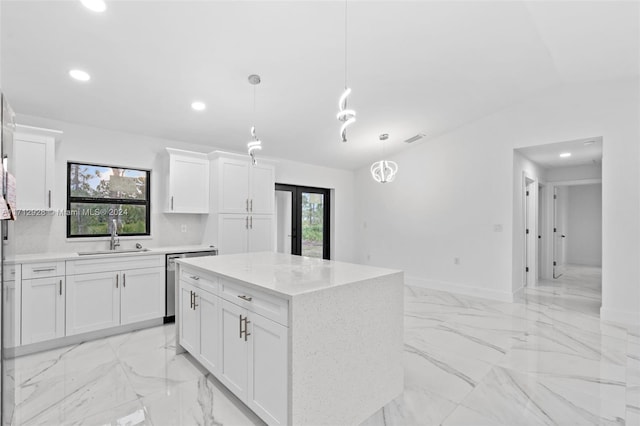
x,y
296,216
530,221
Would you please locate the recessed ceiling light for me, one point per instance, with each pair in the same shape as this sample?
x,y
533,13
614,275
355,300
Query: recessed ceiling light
x,y
94,5
565,154
198,106
80,75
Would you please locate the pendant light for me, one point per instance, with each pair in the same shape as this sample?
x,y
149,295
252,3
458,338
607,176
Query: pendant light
x,y
254,144
384,171
346,116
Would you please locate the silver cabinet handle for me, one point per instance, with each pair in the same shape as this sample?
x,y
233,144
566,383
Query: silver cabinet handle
x,y
240,323
43,269
247,298
117,279
246,205
49,198
195,305
195,277
251,223
60,287
246,327
251,205
172,202
191,306
124,279
246,222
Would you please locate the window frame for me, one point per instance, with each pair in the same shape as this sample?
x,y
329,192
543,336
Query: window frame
x,y
126,201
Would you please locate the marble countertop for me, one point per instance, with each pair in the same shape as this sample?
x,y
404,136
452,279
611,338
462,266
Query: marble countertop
x,y
284,274
62,256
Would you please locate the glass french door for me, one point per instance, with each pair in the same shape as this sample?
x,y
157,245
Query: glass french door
x,y
302,216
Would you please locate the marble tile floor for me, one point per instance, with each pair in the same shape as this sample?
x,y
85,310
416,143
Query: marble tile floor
x,y
546,359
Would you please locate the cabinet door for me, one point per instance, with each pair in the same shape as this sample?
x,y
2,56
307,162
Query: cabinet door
x,y
93,302
43,306
232,233
267,389
34,169
189,319
210,344
142,295
188,184
262,190
233,186
233,365
261,233
11,311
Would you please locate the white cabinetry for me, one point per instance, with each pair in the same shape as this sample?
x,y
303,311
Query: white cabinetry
x,y
12,305
104,293
240,335
43,302
245,205
35,167
188,182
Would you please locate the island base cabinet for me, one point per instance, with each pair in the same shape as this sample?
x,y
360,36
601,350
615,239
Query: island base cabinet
x,y
43,309
199,325
267,390
254,361
141,295
92,302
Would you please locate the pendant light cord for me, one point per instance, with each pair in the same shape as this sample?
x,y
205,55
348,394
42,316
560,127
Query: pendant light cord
x,y
345,44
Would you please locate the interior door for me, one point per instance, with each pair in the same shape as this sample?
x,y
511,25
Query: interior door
x,y
558,233
309,219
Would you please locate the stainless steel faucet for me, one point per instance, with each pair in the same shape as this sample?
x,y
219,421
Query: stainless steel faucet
x,y
115,241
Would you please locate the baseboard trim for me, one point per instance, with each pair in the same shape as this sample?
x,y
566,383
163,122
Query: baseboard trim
x,y
460,289
620,317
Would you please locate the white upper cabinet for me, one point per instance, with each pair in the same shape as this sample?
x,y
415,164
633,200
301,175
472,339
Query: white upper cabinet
x,y
35,167
188,182
243,187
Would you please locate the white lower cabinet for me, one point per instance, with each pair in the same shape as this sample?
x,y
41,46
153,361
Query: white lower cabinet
x,y
199,325
43,306
92,302
142,295
246,351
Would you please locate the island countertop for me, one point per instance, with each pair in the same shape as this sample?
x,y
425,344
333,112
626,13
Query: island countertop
x,y
286,275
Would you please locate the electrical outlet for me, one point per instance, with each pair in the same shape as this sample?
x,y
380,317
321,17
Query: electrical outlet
x,y
183,228
456,260
497,228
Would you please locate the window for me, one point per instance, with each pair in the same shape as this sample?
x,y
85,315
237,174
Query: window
x,y
98,195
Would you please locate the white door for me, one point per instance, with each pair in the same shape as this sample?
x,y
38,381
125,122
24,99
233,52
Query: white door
x,y
43,309
142,295
233,183
267,389
34,168
93,302
232,233
262,189
189,319
189,185
558,232
261,233
210,342
233,365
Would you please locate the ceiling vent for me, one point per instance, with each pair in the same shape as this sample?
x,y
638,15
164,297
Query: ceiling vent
x,y
412,139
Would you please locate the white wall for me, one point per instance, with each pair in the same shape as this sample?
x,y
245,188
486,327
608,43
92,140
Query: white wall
x,y
560,174
453,189
584,225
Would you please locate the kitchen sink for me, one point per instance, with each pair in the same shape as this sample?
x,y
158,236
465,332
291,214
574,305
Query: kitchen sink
x,y
93,253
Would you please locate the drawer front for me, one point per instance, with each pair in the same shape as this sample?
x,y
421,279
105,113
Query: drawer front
x,y
42,270
12,272
114,263
194,277
254,300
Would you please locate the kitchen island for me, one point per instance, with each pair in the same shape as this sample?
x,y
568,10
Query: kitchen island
x,y
300,341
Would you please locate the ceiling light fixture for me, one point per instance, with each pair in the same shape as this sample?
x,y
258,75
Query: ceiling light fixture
x,y
80,75
588,143
198,106
94,5
384,171
254,144
346,116
565,155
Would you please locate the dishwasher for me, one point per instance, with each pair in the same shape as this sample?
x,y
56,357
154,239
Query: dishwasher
x,y
170,288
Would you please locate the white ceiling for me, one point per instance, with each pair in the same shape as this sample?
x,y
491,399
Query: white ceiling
x,y
583,152
414,67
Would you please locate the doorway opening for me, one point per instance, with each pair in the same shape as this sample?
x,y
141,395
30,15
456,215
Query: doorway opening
x,y
303,221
